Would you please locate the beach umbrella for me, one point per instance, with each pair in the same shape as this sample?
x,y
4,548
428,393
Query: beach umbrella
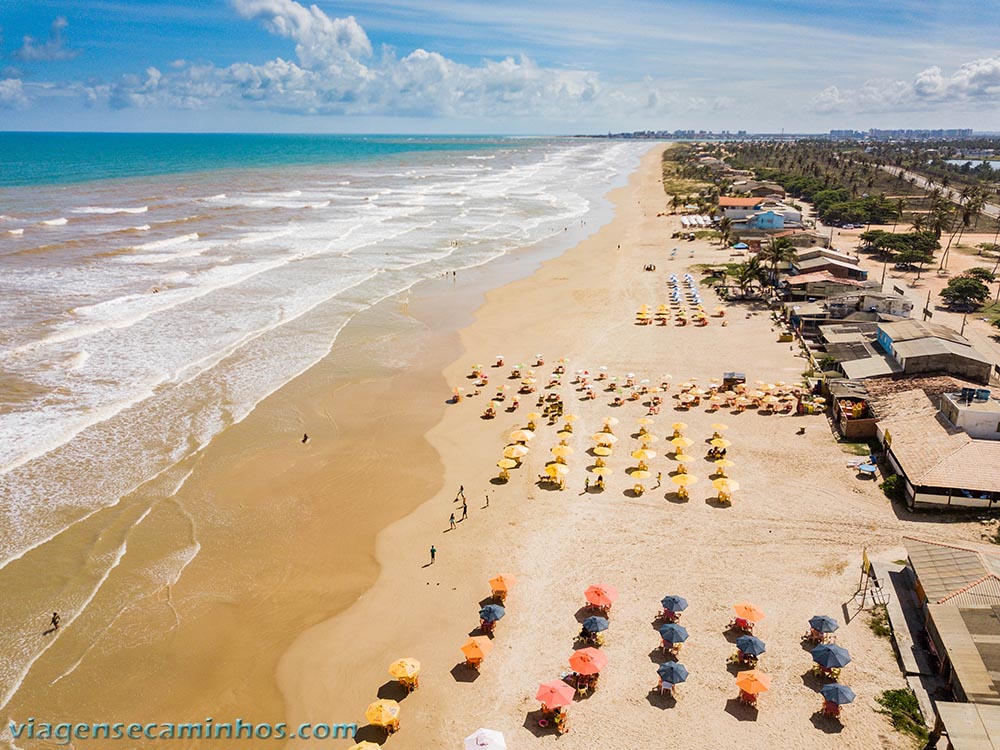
x,y
772,400
602,450
610,421
720,443
502,582
605,438
684,458
515,451
747,611
686,398
555,694
648,437
823,624
686,385
601,470
507,463
644,454
681,442
561,451
588,661
477,647
485,739
837,693
645,420
674,603
831,656
719,427
601,595
564,434
382,713
750,645
569,417
492,613
522,436
639,474
365,745
557,470
534,415
404,668
724,463
672,673
678,426
753,681
724,484
595,624
673,633
684,480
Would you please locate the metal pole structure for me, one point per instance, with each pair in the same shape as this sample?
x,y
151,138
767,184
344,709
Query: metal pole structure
x,y
962,332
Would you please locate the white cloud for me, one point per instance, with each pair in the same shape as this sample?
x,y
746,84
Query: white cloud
x,y
53,49
975,83
12,94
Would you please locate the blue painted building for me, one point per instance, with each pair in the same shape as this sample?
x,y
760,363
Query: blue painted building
x,y
766,220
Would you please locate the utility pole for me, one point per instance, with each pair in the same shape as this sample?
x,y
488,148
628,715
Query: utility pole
x,y
962,332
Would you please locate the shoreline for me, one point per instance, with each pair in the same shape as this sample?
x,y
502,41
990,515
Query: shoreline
x,y
246,503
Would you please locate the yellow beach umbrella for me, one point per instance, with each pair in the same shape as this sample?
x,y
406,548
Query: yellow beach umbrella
x,y
726,485
522,436
684,458
724,463
682,442
382,713
685,385
564,434
601,470
605,438
404,668
557,470
639,474
645,420
602,450
684,480
648,437
720,443
534,415
562,451
507,463
570,417
678,426
366,745
515,451
610,421
644,454
772,400
719,427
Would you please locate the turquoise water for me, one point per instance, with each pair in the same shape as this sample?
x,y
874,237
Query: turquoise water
x,y
60,158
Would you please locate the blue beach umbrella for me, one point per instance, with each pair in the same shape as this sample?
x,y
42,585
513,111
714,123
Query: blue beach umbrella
x,y
740,246
672,672
831,656
823,623
673,633
837,693
674,603
491,613
750,645
595,624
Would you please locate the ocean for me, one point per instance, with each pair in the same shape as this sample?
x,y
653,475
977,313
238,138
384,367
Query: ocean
x,y
141,274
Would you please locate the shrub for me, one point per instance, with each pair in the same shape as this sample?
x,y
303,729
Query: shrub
x,y
892,486
904,710
878,621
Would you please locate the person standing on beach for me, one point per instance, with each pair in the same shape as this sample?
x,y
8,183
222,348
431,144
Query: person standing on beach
x,y
451,521
487,499
55,621
465,509
659,479
461,493
433,554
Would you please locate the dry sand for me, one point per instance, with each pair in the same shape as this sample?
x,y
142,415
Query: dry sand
x,y
791,542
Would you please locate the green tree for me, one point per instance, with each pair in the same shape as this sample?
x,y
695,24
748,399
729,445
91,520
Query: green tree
x,y
964,292
777,250
747,274
983,274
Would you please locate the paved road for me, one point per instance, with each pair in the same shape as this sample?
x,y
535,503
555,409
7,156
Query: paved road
x,y
990,209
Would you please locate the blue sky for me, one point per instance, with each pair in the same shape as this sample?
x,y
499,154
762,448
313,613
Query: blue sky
x,y
468,66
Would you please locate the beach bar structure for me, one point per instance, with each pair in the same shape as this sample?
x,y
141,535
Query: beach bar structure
x,y
941,465
852,414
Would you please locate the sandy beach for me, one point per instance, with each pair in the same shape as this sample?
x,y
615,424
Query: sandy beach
x,y
791,542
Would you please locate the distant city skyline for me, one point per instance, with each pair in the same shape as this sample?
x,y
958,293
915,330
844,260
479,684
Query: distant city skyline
x,y
445,66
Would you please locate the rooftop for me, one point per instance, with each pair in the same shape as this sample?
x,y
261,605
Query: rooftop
x,y
871,367
947,572
906,330
727,201
934,346
823,261
970,726
819,276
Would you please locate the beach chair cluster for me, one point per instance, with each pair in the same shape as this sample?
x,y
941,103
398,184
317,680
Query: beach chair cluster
x,y
586,663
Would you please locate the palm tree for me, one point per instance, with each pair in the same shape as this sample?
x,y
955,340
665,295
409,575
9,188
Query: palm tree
x,y
777,250
746,274
725,230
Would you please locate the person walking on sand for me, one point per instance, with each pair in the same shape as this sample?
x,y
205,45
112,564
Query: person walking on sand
x,y
465,509
659,479
461,493
487,499
433,553
586,484
451,521
55,620
305,437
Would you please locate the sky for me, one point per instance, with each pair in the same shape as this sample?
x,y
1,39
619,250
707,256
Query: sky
x,y
511,67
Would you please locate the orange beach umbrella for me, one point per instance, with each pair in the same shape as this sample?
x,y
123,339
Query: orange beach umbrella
x,y
477,647
588,661
502,582
555,694
753,681
601,595
747,611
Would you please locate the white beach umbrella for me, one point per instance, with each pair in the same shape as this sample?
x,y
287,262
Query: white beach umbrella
x,y
485,739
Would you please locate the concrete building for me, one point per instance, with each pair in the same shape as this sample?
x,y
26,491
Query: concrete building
x,y
844,267
973,411
819,285
920,347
